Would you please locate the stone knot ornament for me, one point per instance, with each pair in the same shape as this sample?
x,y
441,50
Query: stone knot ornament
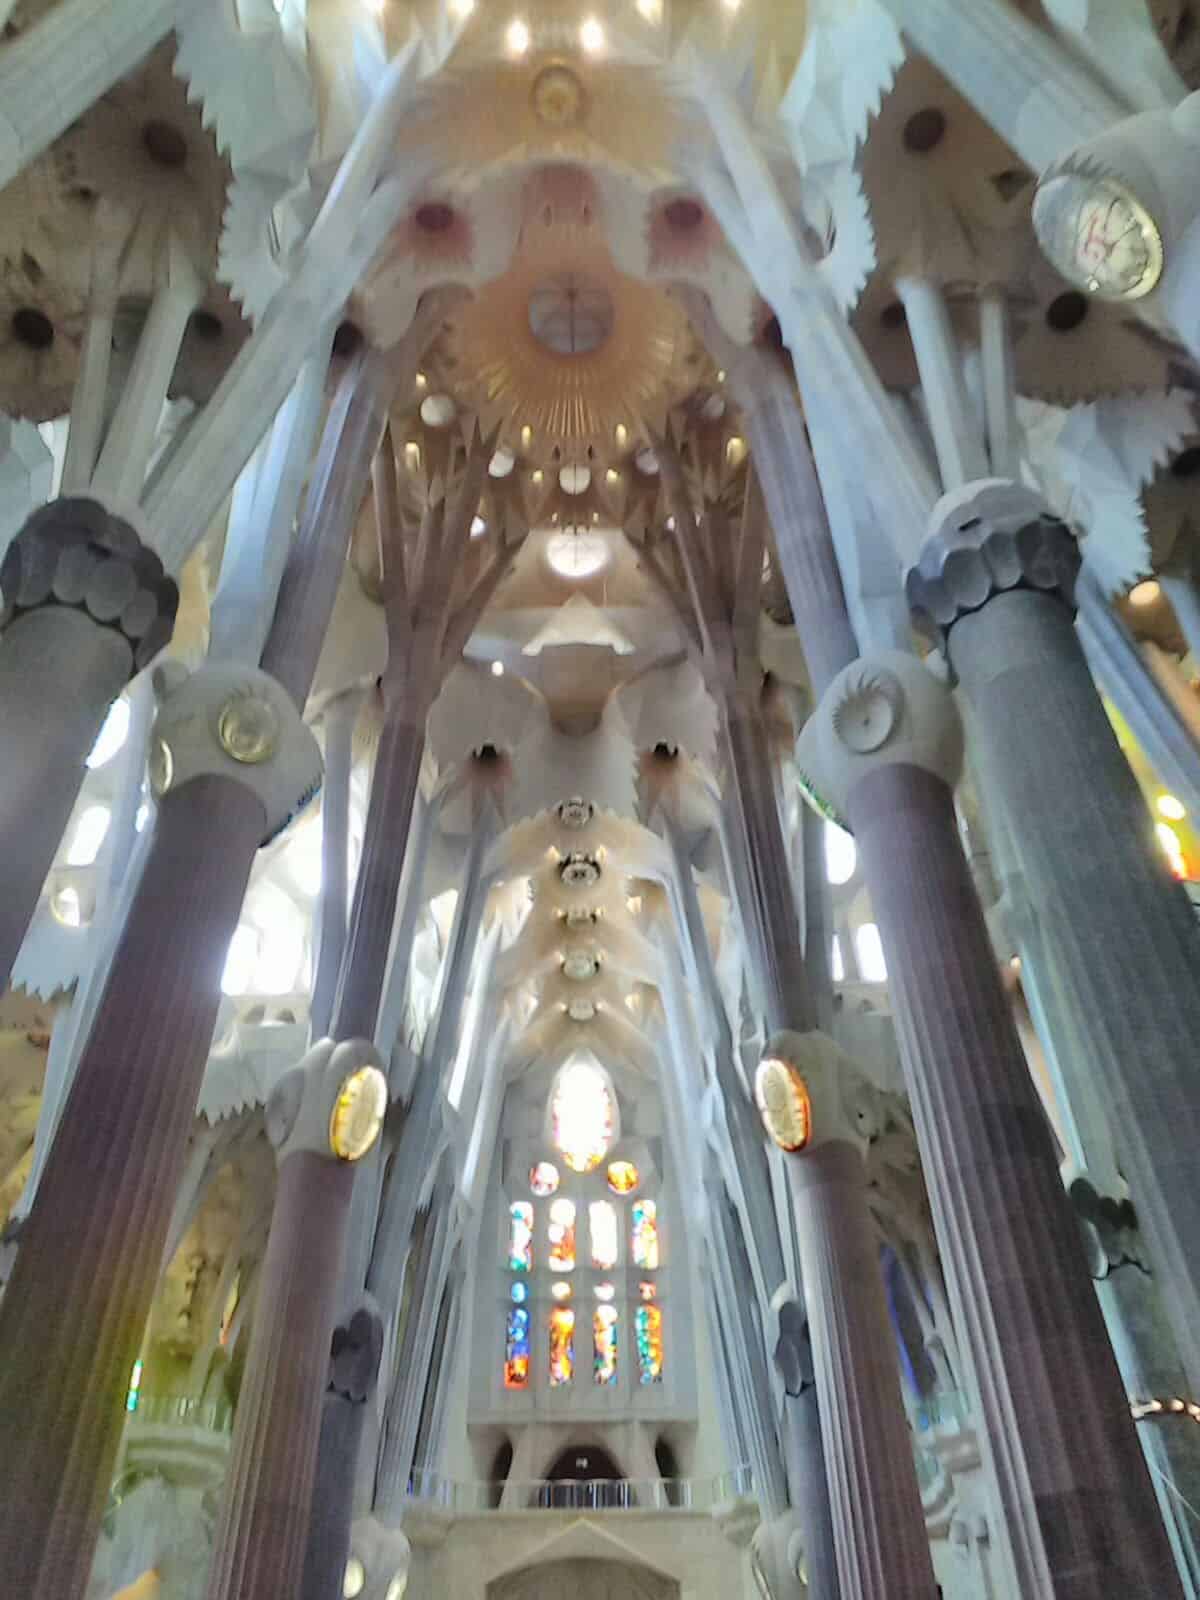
x,y
332,1103
986,538
886,709
236,722
72,552
355,1353
383,1556
810,1093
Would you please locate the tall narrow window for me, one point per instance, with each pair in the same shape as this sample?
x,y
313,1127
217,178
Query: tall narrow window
x,y
582,1116
868,947
604,1344
648,1334
561,1233
520,1236
562,1346
645,1234
516,1345
602,1231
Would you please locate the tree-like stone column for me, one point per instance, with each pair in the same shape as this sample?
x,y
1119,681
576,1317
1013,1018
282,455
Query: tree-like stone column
x,y
885,746
231,758
997,579
878,1524
322,1117
83,604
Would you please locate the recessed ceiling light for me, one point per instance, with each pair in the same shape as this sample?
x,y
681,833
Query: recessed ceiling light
x,y
437,410
501,464
516,37
478,527
574,478
591,36
497,669
1144,594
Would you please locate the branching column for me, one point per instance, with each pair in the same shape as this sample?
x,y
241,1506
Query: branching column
x,y
231,761
997,577
886,746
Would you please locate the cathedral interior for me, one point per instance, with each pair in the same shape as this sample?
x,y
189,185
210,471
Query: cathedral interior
x,y
599,799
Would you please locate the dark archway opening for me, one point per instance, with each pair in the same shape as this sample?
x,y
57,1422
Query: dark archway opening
x,y
668,1469
583,1476
501,1467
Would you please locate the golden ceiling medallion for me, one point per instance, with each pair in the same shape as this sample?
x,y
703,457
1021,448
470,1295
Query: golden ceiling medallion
x,y
566,345
558,97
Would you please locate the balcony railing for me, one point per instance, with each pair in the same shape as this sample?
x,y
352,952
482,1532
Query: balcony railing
x,y
430,1489
160,1410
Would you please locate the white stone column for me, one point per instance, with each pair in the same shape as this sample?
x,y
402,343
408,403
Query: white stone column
x,y
1017,76
952,419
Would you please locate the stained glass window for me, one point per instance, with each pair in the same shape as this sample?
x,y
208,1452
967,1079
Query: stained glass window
x,y
516,1347
561,1233
645,1234
648,1332
604,1344
647,1291
543,1179
622,1177
561,1290
562,1345
520,1236
519,1292
602,1232
582,1116
604,1291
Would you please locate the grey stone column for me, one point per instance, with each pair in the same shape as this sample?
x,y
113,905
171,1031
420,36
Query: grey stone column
x,y
91,1252
1076,1498
996,578
322,1117
260,1542
878,1524
83,603
354,1359
803,1451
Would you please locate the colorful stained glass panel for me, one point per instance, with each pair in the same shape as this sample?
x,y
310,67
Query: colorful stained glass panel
x,y
645,1234
604,1344
543,1179
649,1339
582,1116
562,1346
520,1236
561,1234
516,1348
602,1233
623,1177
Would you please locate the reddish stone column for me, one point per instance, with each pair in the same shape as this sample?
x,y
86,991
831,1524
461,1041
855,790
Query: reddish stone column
x,y
91,1251
1076,1500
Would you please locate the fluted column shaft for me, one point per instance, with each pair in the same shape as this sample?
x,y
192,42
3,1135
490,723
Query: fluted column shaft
x,y
878,1523
72,1317
60,670
1076,1498
808,1490
260,1543
1122,936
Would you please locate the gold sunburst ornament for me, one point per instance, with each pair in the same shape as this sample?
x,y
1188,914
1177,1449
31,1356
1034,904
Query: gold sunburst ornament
x,y
783,1101
358,1113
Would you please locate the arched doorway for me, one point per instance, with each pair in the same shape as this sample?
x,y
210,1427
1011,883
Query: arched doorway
x,y
584,1580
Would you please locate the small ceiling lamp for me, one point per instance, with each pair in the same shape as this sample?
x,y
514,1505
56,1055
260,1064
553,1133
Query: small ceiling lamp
x,y
591,36
437,410
783,1103
621,435
1144,594
536,476
575,478
516,37
501,463
735,451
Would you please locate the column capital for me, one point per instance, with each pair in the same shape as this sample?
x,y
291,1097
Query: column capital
x,y
988,538
74,552
883,710
331,1104
229,721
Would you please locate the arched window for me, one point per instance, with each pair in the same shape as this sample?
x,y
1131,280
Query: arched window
x,y
583,1252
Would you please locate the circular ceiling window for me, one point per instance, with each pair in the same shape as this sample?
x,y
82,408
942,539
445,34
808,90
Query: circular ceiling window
x,y
569,315
577,554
